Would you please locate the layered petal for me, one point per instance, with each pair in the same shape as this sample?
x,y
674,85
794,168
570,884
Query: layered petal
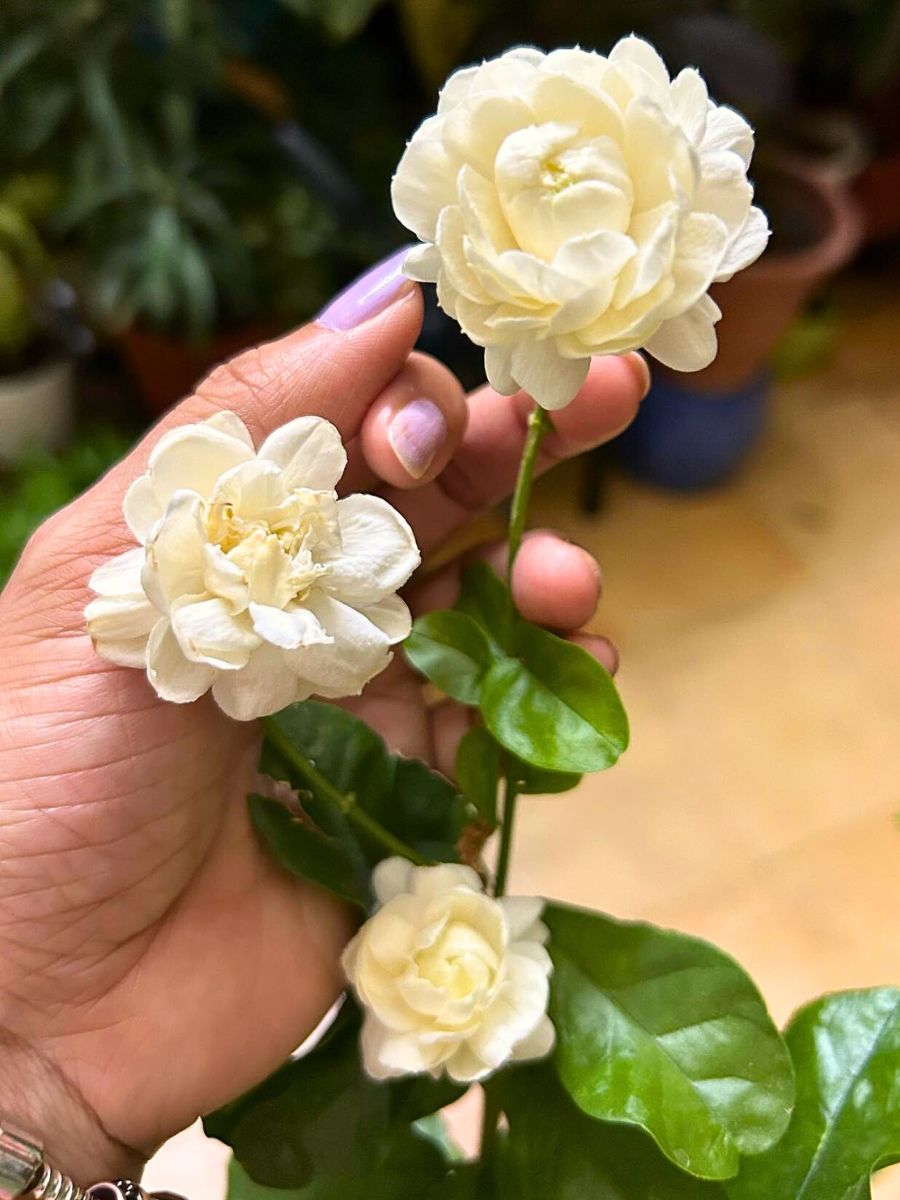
x,y
378,551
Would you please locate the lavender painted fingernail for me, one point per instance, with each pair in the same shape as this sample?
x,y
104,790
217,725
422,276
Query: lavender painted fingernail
x,y
416,433
368,295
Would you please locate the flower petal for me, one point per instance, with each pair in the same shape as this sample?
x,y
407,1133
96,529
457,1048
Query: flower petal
x,y
425,181
193,457
392,617
551,380
142,507
359,650
309,451
208,633
172,676
287,629
230,423
688,342
747,246
498,368
120,618
391,877
120,575
378,551
264,686
175,562
422,263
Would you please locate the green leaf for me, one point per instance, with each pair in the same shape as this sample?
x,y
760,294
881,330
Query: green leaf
x,y
485,598
309,852
555,1152
846,1052
451,650
533,781
478,770
320,1117
413,1167
665,1032
554,706
403,794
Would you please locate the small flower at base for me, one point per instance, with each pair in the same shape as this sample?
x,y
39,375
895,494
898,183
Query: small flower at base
x,y
450,980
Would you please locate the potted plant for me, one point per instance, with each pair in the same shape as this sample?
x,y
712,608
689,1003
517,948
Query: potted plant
x,y
35,376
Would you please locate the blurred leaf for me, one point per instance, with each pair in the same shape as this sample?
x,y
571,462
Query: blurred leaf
x,y
451,650
309,852
19,52
555,1152
438,32
342,19
846,1052
665,1032
554,705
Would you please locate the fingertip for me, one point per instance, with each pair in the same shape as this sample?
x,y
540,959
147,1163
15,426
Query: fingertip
x,y
414,427
605,651
555,582
606,405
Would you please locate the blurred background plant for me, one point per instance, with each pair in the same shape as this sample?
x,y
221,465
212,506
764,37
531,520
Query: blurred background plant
x,y
201,174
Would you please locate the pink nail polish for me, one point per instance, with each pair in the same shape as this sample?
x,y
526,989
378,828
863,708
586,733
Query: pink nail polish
x,y
368,295
416,433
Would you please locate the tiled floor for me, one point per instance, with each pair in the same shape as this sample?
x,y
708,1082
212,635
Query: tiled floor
x,y
760,632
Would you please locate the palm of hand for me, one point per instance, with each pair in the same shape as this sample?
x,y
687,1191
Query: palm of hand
x,y
149,949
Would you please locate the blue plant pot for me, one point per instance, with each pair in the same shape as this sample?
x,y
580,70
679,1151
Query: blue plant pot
x,y
689,440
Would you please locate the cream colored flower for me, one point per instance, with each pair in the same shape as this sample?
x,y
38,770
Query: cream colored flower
x,y
450,979
571,204
252,578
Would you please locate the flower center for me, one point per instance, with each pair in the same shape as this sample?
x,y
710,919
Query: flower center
x,y
279,547
460,962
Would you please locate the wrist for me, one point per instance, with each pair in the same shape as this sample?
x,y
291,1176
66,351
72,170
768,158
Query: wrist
x,y
36,1097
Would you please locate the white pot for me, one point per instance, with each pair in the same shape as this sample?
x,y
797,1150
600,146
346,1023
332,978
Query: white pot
x,y
35,408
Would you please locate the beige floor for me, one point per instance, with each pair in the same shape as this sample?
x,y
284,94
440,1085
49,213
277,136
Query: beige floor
x,y
760,637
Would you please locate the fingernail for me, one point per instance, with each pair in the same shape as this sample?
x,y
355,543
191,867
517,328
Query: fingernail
x,y
641,370
416,434
368,295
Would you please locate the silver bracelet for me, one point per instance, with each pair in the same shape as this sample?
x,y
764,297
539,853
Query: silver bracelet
x,y
25,1172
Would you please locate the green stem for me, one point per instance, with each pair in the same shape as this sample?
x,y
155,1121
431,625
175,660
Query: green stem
x,y
344,803
538,425
510,797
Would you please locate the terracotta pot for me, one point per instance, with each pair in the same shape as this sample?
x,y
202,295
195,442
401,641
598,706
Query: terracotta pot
x,y
35,408
877,192
759,303
167,369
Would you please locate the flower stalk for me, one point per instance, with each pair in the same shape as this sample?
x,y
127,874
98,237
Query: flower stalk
x,y
344,802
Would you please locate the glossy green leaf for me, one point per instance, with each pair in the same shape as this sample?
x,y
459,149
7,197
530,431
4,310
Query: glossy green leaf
x,y
404,795
478,769
846,1052
555,1152
534,781
666,1032
321,1118
485,598
307,851
451,650
554,706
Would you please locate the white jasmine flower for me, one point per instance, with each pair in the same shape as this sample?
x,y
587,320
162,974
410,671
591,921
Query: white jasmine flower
x,y
450,979
251,577
571,204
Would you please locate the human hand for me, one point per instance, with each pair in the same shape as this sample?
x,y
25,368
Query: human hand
x,y
154,961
